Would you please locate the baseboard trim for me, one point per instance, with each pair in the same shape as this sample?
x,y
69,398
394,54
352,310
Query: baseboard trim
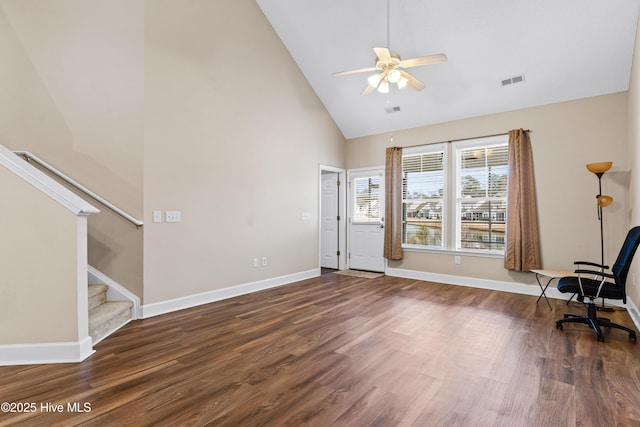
x,y
497,285
41,353
163,307
473,282
633,313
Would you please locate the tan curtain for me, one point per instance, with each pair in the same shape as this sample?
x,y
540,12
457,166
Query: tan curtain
x,y
393,204
523,243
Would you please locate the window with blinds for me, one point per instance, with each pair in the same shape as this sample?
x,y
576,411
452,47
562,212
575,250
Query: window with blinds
x,y
423,191
481,196
454,195
366,206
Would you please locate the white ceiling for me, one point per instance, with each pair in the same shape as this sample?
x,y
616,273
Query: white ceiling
x,y
566,49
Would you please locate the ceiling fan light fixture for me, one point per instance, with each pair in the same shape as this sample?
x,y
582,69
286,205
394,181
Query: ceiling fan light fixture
x,y
394,76
374,80
402,82
384,86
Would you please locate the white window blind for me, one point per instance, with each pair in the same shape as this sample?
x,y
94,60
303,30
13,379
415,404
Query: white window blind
x,y
481,202
366,203
423,191
454,195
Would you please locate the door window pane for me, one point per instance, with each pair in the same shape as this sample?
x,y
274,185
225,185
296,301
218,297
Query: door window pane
x,y
366,203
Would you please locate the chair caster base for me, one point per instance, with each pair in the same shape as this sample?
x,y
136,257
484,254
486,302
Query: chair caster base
x,y
595,323
558,325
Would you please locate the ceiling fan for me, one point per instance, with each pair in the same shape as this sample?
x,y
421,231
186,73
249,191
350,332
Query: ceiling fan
x,y
391,70
390,67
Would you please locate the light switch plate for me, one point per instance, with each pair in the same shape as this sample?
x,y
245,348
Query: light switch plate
x,y
157,216
173,216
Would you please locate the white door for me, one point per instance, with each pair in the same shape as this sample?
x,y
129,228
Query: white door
x,y
329,241
366,226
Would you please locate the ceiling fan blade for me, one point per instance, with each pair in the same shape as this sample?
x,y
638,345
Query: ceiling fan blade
x,y
360,70
382,53
412,81
367,90
423,60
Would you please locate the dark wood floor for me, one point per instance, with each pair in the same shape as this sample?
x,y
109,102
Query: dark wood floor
x,y
344,351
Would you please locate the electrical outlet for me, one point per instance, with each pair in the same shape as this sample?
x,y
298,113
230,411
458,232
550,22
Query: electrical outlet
x,y
264,261
255,263
456,259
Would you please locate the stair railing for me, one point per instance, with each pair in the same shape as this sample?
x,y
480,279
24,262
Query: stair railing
x,y
28,156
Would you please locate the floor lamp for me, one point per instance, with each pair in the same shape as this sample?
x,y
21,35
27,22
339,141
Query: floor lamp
x,y
603,201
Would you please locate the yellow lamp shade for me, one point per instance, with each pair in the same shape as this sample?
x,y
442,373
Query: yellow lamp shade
x,y
604,201
600,167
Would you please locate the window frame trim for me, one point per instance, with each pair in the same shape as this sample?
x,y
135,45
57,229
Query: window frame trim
x,y
456,147
429,149
450,234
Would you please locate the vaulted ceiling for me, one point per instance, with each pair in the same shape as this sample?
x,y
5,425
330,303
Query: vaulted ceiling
x,y
565,49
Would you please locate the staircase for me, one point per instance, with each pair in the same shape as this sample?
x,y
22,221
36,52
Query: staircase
x,y
105,316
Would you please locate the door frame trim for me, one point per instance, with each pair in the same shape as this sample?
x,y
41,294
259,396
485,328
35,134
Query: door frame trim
x,y
342,211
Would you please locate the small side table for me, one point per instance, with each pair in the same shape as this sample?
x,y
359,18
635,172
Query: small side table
x,y
550,274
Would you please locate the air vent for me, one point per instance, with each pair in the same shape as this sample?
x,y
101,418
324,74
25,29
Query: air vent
x,y
391,110
513,80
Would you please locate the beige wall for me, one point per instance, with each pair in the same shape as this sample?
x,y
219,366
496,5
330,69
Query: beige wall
x,y
39,283
564,138
633,282
171,105
232,131
234,137
71,79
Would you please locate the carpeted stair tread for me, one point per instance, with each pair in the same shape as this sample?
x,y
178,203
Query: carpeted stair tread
x,y
96,289
107,310
108,317
97,295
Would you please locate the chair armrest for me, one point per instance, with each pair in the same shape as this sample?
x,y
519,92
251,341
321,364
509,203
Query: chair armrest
x,y
596,273
602,274
592,264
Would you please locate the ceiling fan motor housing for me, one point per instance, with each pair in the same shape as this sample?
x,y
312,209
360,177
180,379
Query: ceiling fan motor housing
x,y
390,64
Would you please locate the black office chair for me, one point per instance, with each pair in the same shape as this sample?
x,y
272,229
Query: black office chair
x,y
599,287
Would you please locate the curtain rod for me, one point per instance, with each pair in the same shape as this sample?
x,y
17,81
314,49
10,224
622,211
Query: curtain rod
x,y
461,139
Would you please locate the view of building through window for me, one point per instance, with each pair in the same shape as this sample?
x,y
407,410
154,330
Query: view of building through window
x,y
482,202
479,184
423,196
367,200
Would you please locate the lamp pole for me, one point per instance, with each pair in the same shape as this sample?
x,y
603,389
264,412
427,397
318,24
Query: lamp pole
x,y
599,169
599,175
